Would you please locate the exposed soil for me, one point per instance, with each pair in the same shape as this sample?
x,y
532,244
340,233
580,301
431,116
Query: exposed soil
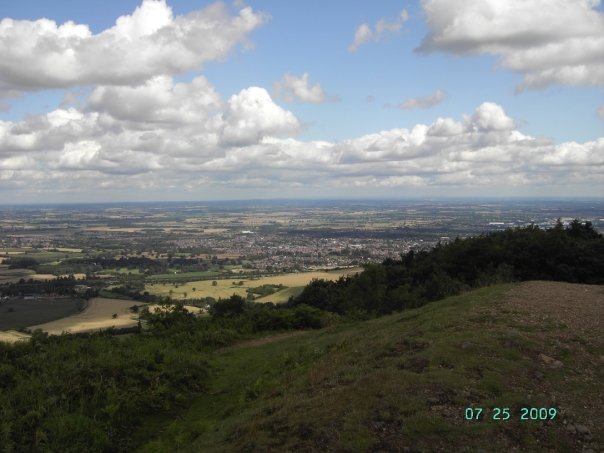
x,y
578,307
568,319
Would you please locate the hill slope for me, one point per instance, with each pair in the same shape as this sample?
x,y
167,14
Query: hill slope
x,y
403,382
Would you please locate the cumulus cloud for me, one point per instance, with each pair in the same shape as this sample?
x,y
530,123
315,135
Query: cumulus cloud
x,y
151,41
292,88
252,114
364,33
159,100
424,102
246,144
549,42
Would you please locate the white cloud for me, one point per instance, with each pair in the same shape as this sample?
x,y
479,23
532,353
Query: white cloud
x,y
601,111
159,100
150,42
364,33
424,102
239,145
292,88
549,42
252,114
490,117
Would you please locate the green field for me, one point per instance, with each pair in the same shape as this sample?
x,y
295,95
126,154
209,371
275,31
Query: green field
x,y
17,313
44,257
13,275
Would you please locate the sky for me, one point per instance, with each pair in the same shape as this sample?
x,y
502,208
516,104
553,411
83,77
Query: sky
x,y
159,100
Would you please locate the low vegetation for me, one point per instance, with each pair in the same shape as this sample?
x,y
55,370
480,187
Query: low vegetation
x,y
403,382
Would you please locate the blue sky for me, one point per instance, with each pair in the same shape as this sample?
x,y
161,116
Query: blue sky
x,y
476,70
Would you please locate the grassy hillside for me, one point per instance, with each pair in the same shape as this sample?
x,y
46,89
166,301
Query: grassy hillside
x,y
403,382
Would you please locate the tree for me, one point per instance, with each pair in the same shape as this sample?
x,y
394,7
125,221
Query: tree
x,y
233,306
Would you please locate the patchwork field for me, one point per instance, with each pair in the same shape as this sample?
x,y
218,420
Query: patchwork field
x,y
226,288
98,315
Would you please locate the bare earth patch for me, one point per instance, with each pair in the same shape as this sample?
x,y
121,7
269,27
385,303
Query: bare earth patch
x,y
568,320
579,307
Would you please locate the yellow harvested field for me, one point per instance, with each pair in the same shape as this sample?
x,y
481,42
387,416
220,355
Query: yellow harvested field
x,y
302,278
41,277
66,249
203,288
12,336
226,288
98,315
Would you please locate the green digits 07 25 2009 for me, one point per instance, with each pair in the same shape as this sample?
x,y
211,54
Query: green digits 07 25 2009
x,y
505,413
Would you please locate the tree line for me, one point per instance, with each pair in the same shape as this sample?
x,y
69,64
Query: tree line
x,y
572,254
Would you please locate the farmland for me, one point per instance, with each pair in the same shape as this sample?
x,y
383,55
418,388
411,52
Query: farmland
x,y
98,315
264,251
18,313
13,275
223,288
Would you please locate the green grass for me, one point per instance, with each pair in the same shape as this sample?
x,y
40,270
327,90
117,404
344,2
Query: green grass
x,y
44,257
398,381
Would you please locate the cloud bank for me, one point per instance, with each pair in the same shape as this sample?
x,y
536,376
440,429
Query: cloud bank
x,y
150,42
184,135
547,41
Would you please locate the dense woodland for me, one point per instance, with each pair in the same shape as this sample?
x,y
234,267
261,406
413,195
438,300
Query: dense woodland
x,y
89,393
573,254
